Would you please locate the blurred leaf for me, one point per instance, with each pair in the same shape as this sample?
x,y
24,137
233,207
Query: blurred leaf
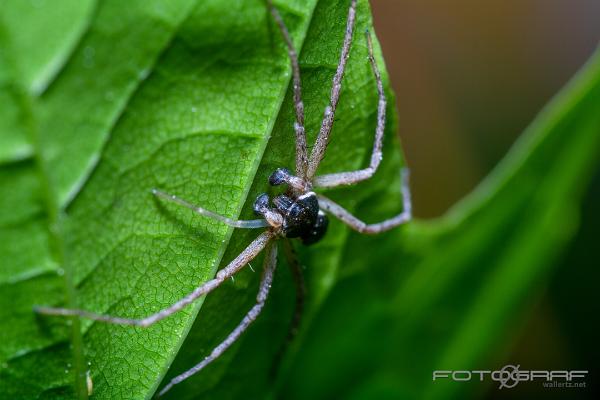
x,y
445,295
53,30
179,95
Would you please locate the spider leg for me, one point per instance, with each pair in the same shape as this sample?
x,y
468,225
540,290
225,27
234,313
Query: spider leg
x,y
348,178
247,224
263,292
301,152
298,277
360,226
300,284
318,152
234,266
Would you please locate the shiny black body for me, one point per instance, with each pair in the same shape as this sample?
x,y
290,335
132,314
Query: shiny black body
x,y
302,217
317,230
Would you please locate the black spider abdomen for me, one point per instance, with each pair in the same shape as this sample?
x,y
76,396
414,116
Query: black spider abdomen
x,y
299,216
317,231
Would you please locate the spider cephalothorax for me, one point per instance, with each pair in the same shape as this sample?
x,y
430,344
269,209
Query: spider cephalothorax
x,y
297,213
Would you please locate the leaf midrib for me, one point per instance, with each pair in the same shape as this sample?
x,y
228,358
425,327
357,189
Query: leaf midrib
x,y
252,172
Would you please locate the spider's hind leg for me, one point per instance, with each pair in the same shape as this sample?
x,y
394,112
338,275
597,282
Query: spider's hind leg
x,y
300,285
263,292
343,215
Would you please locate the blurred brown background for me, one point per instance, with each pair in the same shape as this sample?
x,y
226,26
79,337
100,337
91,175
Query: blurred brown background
x,y
469,77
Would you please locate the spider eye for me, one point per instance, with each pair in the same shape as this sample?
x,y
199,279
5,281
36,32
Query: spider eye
x,y
317,231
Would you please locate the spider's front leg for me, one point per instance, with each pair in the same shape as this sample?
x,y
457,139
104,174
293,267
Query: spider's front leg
x,y
263,292
322,141
301,152
351,177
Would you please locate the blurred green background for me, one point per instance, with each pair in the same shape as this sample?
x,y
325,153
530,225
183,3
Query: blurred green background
x,y
469,76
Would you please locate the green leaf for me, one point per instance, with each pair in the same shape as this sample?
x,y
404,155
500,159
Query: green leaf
x,y
184,96
461,283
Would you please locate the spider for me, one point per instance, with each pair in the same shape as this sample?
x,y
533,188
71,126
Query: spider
x,y
298,213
